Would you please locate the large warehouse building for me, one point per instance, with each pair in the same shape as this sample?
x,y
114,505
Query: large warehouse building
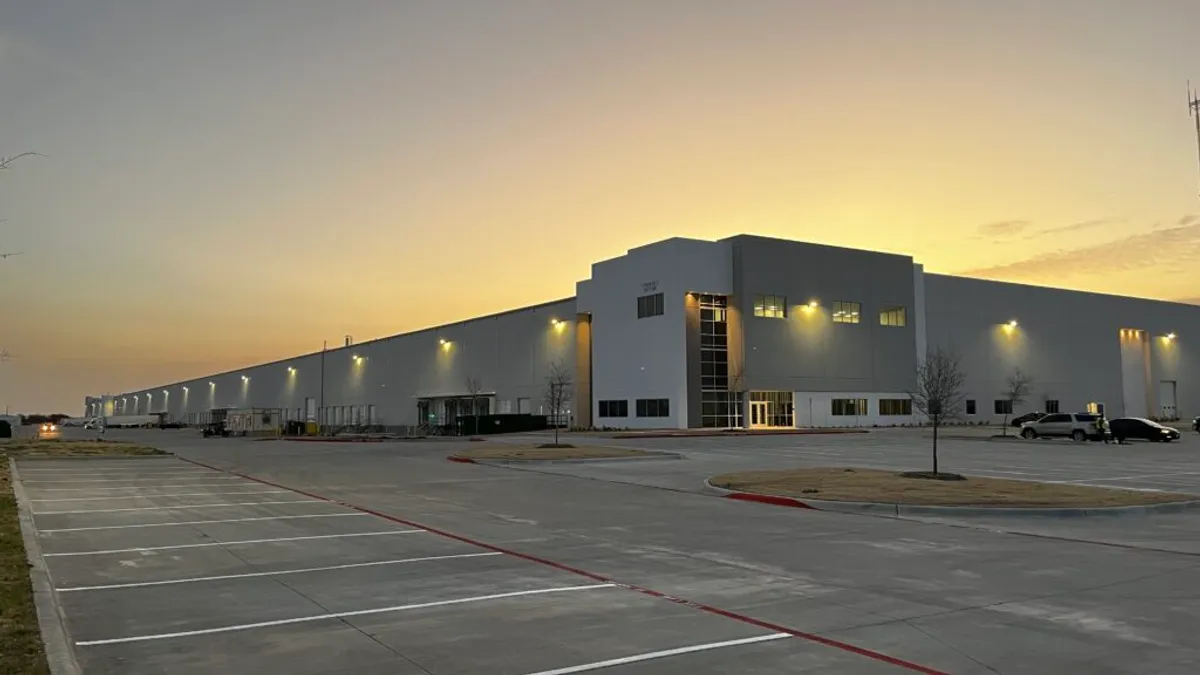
x,y
746,331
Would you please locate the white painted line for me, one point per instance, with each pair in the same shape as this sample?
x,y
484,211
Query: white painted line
x,y
119,472
337,615
209,544
169,508
109,481
179,494
175,523
1137,477
649,656
140,487
191,580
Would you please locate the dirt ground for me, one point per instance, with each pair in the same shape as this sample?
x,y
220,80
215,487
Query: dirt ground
x,y
868,485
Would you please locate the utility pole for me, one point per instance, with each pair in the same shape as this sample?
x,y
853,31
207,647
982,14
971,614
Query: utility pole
x,y
1194,111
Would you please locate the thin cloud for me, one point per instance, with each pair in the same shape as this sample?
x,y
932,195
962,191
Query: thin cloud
x,y
1188,220
1077,227
1173,246
1003,228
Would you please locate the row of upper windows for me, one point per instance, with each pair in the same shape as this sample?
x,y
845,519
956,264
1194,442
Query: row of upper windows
x,y
843,311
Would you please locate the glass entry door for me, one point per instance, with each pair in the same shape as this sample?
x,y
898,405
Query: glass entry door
x,y
758,414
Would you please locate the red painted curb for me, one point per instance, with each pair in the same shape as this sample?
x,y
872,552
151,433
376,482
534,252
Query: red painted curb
x,y
774,500
463,460
767,625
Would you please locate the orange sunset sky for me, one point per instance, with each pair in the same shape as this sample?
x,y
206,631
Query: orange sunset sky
x,y
228,182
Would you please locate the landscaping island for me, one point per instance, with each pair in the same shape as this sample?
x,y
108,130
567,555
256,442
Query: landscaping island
x,y
547,453
21,650
891,487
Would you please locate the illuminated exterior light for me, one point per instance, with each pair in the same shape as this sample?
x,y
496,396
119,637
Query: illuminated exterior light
x,y
1170,336
291,370
1012,324
166,392
245,378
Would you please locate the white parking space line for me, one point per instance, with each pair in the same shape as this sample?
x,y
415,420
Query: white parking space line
x,y
129,480
142,487
204,522
1137,477
169,508
650,656
178,494
339,615
249,575
119,472
209,544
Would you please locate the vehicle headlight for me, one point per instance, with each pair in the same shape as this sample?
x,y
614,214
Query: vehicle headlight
x,y
1166,431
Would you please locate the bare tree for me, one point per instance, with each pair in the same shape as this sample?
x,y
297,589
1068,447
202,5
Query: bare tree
x,y
1017,388
6,162
939,391
474,387
558,393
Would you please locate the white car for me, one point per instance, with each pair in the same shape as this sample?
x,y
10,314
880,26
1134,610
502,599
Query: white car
x,y
1076,426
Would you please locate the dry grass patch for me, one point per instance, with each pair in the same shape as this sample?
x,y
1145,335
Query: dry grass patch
x,y
531,452
21,650
82,448
868,485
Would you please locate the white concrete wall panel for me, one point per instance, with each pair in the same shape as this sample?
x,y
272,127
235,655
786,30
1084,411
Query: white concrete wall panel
x,y
1069,341
510,353
646,358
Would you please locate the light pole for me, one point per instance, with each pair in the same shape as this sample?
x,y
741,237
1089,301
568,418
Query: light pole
x,y
321,399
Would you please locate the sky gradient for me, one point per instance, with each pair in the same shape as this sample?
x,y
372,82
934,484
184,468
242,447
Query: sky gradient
x,y
230,182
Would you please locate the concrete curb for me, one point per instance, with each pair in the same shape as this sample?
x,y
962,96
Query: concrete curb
x,y
899,510
738,434
60,651
592,460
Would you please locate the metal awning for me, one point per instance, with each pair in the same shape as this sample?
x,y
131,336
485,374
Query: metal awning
x,y
431,397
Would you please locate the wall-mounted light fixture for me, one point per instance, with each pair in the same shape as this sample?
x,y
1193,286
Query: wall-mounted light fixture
x,y
291,370
1012,323
444,343
245,378
1170,336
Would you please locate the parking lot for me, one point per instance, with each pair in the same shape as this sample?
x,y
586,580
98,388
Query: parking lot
x,y
164,566
374,558
1172,467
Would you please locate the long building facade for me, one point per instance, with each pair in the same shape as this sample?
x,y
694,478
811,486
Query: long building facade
x,y
746,331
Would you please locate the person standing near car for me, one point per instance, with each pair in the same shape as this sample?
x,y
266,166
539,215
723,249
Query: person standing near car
x,y
1102,427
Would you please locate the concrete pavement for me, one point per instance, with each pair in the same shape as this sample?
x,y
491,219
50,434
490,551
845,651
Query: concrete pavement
x,y
854,594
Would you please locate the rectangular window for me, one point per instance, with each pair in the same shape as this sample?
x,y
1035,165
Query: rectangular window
x,y
895,406
849,407
653,407
614,408
650,305
1051,405
970,406
893,316
770,306
846,312
1003,406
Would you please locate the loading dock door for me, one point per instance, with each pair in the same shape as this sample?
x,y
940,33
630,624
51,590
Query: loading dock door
x,y
1166,399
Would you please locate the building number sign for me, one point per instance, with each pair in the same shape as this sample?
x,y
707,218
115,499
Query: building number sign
x,y
650,287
